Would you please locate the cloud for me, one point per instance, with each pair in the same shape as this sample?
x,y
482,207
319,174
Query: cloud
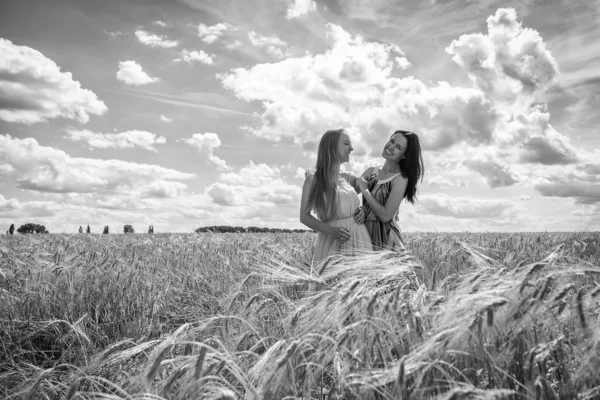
x,y
255,186
511,66
160,23
113,34
507,63
262,41
463,207
45,169
548,151
582,183
352,85
233,45
195,56
495,175
209,34
165,119
13,208
33,89
300,8
206,143
132,73
152,40
163,189
272,44
439,181
123,140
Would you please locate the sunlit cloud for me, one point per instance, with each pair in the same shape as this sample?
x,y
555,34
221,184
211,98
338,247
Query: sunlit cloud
x,y
34,89
131,73
195,56
122,140
299,8
206,143
210,34
153,40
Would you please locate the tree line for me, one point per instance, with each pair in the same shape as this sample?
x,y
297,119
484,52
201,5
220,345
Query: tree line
x,y
36,228
251,229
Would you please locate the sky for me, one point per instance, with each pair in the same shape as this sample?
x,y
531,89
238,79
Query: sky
x,y
188,113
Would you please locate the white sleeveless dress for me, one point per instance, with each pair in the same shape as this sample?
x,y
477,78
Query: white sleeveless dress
x,y
359,242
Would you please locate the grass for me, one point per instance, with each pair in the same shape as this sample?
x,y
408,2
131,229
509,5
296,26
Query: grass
x,y
224,316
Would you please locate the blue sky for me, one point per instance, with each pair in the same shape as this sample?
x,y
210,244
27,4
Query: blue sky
x,y
188,113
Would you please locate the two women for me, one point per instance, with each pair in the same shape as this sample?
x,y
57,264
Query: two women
x,y
333,196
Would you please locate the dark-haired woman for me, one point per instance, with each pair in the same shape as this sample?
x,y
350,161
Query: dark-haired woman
x,y
328,194
384,187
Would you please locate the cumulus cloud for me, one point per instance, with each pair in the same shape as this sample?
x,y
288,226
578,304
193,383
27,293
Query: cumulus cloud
x,y
272,44
582,183
254,186
206,143
355,84
13,208
262,41
305,96
299,8
34,89
513,68
507,62
439,181
163,189
233,45
46,169
165,118
152,40
160,23
495,175
132,73
209,34
123,140
463,207
195,56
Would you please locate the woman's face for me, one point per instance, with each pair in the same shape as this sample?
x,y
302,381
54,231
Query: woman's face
x,y
344,148
395,148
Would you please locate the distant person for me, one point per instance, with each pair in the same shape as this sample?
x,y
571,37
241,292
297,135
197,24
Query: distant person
x,y
385,186
334,200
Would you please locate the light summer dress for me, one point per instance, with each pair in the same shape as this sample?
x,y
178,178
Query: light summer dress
x,y
359,242
384,235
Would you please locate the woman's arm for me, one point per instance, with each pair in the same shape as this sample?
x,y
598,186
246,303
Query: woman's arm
x,y
340,234
386,212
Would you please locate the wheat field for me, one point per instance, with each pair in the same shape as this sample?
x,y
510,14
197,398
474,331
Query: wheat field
x,y
229,316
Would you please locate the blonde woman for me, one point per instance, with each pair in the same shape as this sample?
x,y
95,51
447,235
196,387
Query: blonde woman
x,y
331,196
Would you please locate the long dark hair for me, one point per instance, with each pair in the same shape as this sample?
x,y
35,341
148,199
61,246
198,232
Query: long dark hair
x,y
321,197
411,165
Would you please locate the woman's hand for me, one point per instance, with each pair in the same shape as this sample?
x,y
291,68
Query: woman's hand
x,y
340,235
359,215
362,184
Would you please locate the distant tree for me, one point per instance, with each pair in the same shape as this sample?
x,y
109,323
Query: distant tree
x,y
88,229
80,229
105,232
32,228
128,229
11,230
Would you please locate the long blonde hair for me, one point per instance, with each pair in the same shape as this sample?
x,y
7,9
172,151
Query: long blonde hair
x,y
322,195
